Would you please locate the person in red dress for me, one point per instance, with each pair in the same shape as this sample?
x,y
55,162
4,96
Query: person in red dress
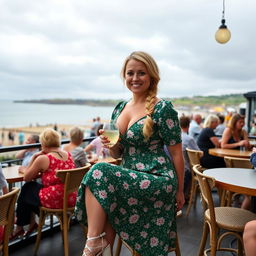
x,y
50,193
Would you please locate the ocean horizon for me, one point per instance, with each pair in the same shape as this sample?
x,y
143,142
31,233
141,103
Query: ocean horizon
x,y
26,114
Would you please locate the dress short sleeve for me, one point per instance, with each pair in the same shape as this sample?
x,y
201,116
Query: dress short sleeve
x,y
168,123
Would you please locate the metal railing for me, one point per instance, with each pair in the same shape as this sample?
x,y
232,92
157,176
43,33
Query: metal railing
x,y
6,149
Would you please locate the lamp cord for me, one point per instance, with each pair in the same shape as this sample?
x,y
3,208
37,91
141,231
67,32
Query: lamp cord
x,y
223,12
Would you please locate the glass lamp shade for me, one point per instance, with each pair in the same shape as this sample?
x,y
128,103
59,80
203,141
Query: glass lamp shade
x,y
222,35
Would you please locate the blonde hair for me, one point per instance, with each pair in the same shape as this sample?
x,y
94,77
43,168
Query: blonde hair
x,y
153,71
208,121
50,138
76,135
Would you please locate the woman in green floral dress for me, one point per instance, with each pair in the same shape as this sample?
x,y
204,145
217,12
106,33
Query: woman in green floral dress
x,y
137,200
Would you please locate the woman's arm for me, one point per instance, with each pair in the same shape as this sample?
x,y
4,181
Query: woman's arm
x,y
88,148
178,161
39,164
215,141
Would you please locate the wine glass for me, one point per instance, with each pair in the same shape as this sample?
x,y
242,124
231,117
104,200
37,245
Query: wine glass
x,y
111,132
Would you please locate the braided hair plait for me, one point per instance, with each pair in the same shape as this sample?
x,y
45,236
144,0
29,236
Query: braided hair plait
x,y
150,103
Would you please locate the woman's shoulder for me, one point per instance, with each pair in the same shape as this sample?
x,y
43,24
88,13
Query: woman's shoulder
x,y
164,107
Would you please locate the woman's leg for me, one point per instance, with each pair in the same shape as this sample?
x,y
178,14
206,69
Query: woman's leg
x,y
249,238
96,216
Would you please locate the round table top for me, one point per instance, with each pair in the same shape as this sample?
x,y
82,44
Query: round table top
x,y
221,152
238,180
12,175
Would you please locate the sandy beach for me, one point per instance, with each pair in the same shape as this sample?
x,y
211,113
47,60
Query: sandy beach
x,y
4,141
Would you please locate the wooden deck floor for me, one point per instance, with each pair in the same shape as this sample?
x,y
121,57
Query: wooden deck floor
x,y
189,230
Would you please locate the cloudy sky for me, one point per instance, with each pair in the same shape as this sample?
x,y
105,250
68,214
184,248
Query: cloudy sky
x,y
75,48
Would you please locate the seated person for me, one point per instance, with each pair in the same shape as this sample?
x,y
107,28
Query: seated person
x,y
221,126
26,154
234,136
3,190
76,138
50,193
187,142
96,145
249,238
195,126
206,140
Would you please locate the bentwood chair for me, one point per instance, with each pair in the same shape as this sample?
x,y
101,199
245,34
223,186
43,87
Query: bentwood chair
x,y
71,179
7,207
235,162
120,242
194,159
230,220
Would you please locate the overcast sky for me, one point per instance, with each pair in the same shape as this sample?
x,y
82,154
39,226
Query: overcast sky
x,y
75,48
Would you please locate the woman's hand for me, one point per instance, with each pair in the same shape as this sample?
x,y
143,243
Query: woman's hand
x,y
244,143
104,139
180,200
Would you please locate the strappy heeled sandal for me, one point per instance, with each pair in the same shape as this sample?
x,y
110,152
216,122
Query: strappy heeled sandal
x,y
92,250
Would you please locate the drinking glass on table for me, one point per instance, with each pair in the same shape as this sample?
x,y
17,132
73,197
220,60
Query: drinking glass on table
x,y
111,132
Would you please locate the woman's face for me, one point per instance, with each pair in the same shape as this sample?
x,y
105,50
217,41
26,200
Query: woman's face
x,y
239,124
137,78
214,124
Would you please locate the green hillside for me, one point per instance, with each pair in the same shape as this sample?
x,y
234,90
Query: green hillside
x,y
204,101
208,101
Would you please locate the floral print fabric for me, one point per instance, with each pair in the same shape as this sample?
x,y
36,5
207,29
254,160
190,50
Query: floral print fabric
x,y
51,195
139,196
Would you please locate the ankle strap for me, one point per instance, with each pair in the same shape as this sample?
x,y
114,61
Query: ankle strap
x,y
96,237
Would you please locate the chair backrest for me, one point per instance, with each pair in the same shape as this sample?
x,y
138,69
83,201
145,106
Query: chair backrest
x,y
235,162
7,207
71,179
194,156
206,184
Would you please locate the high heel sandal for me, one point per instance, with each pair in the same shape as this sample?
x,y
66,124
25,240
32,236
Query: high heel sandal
x,y
92,250
31,230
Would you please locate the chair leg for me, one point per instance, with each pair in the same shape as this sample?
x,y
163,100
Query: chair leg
x,y
213,241
177,247
203,239
118,247
39,231
65,235
191,197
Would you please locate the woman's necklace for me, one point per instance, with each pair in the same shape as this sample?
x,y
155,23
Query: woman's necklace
x,y
57,152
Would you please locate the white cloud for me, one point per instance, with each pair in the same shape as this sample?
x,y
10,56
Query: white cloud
x,y
68,48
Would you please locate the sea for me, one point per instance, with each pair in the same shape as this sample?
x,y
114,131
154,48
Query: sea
x,y
32,114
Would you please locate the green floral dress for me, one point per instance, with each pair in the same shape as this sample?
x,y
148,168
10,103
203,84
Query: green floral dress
x,y
139,196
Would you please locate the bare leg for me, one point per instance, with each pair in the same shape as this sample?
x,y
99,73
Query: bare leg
x,y
97,220
246,202
249,238
96,216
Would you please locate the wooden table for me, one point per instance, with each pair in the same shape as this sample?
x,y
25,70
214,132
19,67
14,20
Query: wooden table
x,y
221,152
238,180
109,160
12,174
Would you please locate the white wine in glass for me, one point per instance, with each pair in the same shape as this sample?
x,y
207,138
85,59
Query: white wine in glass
x,y
111,132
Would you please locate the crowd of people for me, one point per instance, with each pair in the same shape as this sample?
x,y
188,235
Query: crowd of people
x,y
139,199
